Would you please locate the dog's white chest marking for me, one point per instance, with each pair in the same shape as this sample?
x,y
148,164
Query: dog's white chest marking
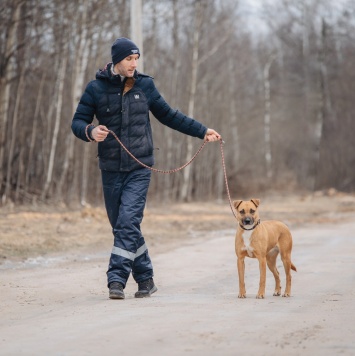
x,y
246,238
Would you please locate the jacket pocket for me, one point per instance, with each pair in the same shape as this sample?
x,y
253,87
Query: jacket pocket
x,y
149,135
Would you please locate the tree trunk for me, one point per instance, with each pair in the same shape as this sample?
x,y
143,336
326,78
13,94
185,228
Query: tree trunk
x,y
267,118
324,106
59,96
186,185
232,91
5,86
136,30
169,186
20,173
10,155
81,62
34,132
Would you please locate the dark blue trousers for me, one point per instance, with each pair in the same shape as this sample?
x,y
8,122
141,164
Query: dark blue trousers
x,y
125,196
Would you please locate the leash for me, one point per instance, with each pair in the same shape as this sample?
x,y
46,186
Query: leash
x,y
225,178
152,168
182,167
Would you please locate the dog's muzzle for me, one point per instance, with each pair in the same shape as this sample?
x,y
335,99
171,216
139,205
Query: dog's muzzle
x,y
248,221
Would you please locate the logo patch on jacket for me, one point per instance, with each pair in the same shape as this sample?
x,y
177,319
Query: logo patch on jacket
x,y
136,96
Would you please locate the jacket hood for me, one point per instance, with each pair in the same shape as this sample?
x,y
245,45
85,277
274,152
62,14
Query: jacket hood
x,y
106,73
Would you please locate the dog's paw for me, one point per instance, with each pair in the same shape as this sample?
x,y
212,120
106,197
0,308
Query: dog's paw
x,y
260,296
242,296
277,294
286,295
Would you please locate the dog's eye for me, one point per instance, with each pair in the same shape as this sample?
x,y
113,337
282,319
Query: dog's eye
x,y
252,211
242,211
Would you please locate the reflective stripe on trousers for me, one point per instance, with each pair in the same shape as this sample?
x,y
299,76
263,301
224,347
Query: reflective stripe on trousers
x,y
130,255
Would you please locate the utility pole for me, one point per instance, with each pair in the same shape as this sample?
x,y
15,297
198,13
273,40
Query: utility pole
x,y
136,29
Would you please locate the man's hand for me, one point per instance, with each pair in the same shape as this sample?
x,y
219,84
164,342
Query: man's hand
x,y
212,135
99,133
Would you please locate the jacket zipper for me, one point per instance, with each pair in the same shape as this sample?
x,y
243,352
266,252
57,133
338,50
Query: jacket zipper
x,y
122,111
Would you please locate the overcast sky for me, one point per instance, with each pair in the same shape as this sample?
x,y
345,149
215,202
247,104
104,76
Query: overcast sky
x,y
252,11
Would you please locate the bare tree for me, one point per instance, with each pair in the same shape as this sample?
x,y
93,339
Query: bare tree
x,y
82,41
267,117
185,188
7,74
59,96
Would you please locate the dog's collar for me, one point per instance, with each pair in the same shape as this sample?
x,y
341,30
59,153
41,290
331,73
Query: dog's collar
x,y
250,228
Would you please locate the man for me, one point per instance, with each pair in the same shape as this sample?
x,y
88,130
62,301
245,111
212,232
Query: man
x,y
121,99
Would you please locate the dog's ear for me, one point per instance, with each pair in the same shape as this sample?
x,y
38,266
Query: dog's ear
x,y
236,203
256,202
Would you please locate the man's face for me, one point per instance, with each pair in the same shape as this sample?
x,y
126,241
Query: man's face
x,y
127,66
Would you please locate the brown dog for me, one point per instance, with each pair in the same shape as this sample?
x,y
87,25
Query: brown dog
x,y
262,240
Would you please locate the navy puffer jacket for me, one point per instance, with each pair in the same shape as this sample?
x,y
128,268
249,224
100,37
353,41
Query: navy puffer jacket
x,y
123,107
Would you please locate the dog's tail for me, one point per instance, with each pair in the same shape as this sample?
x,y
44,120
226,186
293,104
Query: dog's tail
x,y
293,267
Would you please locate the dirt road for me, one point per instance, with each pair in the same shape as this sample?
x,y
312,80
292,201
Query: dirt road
x,y
60,306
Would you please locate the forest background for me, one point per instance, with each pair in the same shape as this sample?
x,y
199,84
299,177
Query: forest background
x,y
279,89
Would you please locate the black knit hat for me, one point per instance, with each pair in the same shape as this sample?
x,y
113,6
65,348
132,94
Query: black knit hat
x,y
122,48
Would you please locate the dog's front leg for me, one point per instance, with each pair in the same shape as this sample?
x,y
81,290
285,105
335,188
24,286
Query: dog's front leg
x,y
262,268
241,270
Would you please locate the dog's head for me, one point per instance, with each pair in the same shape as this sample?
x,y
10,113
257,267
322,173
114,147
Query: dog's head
x,y
247,211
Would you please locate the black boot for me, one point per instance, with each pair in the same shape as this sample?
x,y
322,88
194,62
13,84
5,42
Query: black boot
x,y
116,291
146,288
